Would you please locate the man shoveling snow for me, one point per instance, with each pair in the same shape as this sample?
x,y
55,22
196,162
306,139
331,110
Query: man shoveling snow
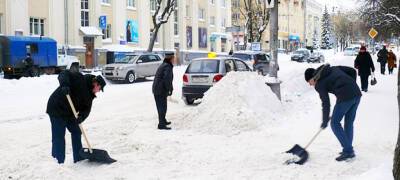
x,y
340,81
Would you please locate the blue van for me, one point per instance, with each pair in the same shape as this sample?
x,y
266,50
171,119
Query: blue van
x,y
14,49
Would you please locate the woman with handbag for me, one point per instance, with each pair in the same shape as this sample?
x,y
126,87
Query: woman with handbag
x,y
364,65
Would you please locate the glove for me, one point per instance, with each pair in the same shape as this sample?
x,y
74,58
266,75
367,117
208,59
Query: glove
x,y
79,120
65,90
324,124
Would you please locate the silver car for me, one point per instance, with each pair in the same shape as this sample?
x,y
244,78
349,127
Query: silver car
x,y
132,67
202,73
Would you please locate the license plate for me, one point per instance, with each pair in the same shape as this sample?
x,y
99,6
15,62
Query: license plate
x,y
200,79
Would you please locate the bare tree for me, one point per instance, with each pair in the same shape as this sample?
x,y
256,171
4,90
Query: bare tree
x,y
159,18
256,17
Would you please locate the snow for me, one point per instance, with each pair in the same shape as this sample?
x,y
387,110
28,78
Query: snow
x,y
238,131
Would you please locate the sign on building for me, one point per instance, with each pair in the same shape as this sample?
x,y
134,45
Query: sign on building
x,y
103,22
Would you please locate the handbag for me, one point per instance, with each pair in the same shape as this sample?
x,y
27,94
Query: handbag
x,y
373,80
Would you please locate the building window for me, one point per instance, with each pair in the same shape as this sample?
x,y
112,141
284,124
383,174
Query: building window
x,y
223,2
84,13
236,3
36,26
153,5
202,14
223,22
176,27
130,3
212,20
1,23
105,1
235,16
107,32
187,10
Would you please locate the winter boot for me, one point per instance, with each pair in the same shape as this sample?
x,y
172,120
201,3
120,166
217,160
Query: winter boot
x,y
345,156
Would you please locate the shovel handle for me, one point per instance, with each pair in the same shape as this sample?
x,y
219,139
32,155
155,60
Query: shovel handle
x,y
80,126
315,136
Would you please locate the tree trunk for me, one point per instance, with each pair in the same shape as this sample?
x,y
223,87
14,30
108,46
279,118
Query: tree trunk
x,y
396,161
153,39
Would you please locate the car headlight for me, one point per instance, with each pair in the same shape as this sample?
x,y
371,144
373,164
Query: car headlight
x,y
121,68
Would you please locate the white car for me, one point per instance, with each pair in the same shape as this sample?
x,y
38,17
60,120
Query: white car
x,y
132,66
349,51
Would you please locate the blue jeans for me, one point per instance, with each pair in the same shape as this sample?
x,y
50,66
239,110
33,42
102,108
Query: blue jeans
x,y
58,126
347,109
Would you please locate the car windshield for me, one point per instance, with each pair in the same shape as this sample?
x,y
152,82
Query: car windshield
x,y
125,59
203,66
262,58
244,57
299,52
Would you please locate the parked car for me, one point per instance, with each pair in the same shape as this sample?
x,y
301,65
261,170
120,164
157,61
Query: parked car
x,y
316,57
300,55
132,67
202,73
282,50
349,51
254,59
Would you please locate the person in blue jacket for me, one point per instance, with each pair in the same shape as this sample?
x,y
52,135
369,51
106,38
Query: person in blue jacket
x,y
340,81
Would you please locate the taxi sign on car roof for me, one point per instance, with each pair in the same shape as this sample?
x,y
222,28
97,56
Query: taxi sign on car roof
x,y
212,55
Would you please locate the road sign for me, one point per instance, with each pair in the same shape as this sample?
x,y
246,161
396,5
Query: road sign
x,y
372,33
270,3
103,22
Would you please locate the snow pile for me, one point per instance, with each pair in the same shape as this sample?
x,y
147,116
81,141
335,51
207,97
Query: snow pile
x,y
241,101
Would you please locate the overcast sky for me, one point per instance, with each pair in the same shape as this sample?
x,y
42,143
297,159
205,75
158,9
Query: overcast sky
x,y
342,4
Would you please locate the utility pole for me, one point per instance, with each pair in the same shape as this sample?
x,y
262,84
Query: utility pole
x,y
274,82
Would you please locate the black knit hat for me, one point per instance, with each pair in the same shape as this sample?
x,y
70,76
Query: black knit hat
x,y
309,74
101,82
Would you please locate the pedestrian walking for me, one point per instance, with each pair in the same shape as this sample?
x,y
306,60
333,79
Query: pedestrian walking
x,y
337,80
382,59
391,61
82,89
364,65
162,88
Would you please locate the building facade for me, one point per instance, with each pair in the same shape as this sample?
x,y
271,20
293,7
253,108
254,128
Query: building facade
x,y
314,12
298,21
90,28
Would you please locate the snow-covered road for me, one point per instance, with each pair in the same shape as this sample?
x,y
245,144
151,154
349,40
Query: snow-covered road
x,y
228,138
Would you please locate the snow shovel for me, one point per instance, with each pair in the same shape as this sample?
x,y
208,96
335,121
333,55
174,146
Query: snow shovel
x,y
300,152
94,155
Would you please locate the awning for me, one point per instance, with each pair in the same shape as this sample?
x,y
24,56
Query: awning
x,y
90,31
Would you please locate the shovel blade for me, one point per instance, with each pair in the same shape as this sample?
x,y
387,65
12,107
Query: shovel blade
x,y
297,150
97,155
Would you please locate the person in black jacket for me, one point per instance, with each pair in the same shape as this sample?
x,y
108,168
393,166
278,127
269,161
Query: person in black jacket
x,y
337,80
82,89
382,58
162,88
29,66
364,65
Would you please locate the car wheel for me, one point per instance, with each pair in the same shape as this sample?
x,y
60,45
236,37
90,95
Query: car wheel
x,y
188,101
130,77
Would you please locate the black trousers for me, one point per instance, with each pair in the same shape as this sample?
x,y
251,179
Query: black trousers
x,y
58,126
161,103
383,67
364,82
